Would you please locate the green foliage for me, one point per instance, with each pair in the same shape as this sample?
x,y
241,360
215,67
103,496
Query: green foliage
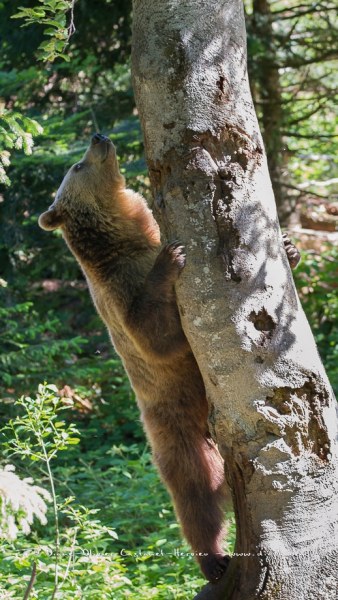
x,y
16,129
316,280
38,433
16,132
90,89
103,546
29,348
52,14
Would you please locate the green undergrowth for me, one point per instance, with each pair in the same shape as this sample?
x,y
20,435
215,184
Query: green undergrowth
x,y
117,534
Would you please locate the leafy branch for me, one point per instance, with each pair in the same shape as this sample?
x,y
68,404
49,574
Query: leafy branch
x,y
16,133
17,130
52,14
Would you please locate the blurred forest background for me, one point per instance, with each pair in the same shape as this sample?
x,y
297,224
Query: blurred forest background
x,y
110,529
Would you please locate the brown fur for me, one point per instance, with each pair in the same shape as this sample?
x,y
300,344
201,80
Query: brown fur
x,y
115,238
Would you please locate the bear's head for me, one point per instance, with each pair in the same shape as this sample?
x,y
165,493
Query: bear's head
x,y
88,186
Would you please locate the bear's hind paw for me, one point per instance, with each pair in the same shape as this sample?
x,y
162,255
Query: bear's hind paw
x,y
214,567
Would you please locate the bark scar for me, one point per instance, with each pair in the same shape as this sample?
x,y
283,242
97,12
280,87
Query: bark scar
x,y
220,84
228,234
263,322
301,417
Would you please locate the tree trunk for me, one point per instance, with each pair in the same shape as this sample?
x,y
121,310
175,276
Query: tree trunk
x,y
272,411
265,71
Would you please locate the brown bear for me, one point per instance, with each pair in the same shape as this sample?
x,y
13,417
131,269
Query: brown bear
x,y
115,238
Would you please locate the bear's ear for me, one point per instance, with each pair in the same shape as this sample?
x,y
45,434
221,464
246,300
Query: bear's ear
x,y
50,220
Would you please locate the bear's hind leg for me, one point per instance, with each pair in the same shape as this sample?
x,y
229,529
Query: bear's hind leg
x,y
193,470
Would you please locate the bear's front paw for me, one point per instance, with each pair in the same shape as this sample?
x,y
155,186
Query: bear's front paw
x,y
172,259
214,567
291,251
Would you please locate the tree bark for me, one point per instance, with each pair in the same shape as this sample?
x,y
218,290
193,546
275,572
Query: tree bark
x,y
272,411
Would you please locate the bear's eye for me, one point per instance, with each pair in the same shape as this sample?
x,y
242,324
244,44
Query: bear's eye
x,y
78,167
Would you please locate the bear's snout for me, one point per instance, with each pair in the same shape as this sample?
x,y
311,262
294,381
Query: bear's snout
x,y
98,137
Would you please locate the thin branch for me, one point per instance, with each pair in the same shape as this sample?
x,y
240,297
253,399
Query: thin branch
x,y
31,582
319,6
71,26
307,115
314,182
310,11
56,518
290,32
301,192
309,137
71,555
293,100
